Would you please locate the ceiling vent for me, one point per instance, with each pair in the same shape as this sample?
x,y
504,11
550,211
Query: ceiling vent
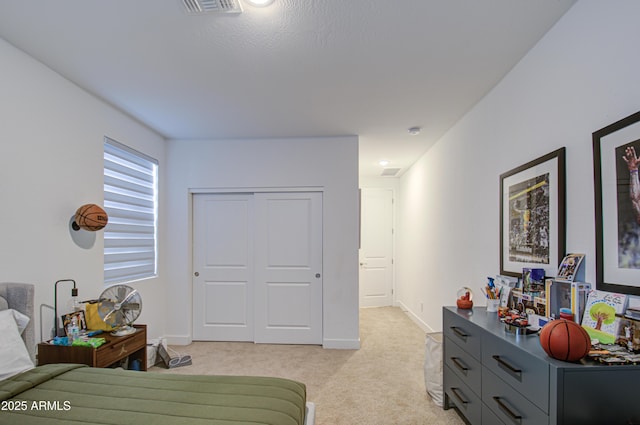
x,y
199,7
390,172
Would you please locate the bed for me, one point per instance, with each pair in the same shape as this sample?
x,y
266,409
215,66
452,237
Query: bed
x,y
71,393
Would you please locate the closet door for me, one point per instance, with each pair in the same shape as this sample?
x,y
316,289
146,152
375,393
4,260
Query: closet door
x,y
223,267
288,268
257,263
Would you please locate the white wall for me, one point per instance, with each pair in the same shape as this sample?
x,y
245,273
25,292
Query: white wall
x,y
582,76
329,163
51,162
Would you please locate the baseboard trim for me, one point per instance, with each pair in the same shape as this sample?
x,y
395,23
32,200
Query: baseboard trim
x,y
179,339
341,344
426,328
334,344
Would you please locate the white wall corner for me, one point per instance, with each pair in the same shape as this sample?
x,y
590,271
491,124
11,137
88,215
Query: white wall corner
x,y
426,328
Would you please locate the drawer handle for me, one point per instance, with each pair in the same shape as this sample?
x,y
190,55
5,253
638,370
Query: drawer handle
x,y
459,333
512,370
515,418
455,392
459,364
122,346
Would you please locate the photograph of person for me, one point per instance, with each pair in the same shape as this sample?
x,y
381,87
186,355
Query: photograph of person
x,y
628,205
529,220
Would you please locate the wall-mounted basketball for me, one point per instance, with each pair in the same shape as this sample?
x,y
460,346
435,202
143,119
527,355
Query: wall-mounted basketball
x,y
565,340
91,217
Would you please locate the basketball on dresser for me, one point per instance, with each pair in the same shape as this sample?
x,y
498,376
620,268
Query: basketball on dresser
x,y
565,340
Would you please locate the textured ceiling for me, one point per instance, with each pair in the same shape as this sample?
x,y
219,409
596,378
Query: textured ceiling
x,y
297,68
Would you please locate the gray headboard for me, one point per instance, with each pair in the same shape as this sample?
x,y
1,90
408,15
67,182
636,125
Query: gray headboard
x,y
19,297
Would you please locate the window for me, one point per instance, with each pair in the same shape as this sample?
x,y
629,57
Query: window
x,y
130,199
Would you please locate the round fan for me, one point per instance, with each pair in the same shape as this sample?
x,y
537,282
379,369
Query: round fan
x,y
120,306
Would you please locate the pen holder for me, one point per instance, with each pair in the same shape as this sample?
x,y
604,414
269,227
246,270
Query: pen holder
x,y
492,305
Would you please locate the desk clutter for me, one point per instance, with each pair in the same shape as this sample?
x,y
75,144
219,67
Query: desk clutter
x,y
81,341
604,325
97,332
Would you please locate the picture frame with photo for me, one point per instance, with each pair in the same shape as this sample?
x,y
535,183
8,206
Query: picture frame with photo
x,y
617,208
532,215
568,268
80,320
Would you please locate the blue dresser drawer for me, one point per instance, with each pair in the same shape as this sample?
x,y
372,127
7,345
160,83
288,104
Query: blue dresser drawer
x,y
462,364
508,405
464,333
526,373
457,392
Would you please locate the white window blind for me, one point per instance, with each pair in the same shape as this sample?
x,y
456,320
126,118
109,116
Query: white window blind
x,y
130,199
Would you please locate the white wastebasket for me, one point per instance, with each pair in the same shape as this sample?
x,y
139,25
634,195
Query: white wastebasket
x,y
433,367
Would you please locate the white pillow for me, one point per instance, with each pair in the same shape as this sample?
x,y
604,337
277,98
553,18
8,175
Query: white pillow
x,y
14,357
22,320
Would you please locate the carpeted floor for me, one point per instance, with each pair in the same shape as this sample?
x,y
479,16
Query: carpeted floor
x,y
380,384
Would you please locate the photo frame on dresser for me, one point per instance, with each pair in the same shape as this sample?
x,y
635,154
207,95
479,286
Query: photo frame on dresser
x,y
532,215
617,205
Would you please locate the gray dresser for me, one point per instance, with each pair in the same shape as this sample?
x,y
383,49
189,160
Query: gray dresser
x,y
493,377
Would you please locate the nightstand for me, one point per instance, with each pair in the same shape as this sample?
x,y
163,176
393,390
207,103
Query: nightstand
x,y
111,353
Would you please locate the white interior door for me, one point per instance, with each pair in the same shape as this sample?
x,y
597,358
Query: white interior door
x,y
376,250
288,268
257,263
223,267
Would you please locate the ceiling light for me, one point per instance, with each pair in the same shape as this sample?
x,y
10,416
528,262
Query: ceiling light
x,y
384,163
259,3
414,131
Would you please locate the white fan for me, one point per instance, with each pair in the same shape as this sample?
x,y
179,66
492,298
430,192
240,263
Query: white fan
x,y
120,306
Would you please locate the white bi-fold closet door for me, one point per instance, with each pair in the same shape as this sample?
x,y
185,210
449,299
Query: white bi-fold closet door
x,y
257,267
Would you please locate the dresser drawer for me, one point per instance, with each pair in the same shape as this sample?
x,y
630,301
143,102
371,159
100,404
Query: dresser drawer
x,y
462,364
508,405
527,374
468,403
111,353
490,418
463,332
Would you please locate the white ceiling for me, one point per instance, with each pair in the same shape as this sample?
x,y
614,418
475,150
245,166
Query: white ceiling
x,y
299,68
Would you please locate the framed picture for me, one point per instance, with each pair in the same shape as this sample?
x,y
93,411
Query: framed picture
x,y
617,201
532,215
569,267
80,320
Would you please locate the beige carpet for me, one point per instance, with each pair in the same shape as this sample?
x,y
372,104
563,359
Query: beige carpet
x,y
380,384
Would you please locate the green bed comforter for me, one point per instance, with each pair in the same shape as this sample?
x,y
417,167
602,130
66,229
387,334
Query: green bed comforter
x,y
68,393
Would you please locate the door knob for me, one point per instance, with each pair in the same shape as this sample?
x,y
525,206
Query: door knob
x,y
318,275
196,274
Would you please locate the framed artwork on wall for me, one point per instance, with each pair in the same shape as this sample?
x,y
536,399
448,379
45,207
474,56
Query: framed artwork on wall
x,y
532,215
617,201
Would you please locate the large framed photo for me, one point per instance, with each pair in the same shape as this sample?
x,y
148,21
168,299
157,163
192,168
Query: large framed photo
x,y
532,215
617,198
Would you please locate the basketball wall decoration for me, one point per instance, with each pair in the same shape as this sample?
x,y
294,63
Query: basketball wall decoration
x,y
565,340
91,217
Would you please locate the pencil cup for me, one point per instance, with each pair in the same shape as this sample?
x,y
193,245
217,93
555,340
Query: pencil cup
x,y
492,305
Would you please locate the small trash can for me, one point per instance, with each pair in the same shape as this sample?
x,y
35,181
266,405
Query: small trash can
x,y
433,367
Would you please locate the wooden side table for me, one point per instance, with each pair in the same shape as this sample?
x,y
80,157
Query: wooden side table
x,y
111,353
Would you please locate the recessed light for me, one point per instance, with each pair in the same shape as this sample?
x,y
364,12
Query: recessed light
x,y
259,3
414,131
384,162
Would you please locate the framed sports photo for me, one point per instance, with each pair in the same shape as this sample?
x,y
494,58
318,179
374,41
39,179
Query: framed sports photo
x,y
532,215
617,201
80,320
